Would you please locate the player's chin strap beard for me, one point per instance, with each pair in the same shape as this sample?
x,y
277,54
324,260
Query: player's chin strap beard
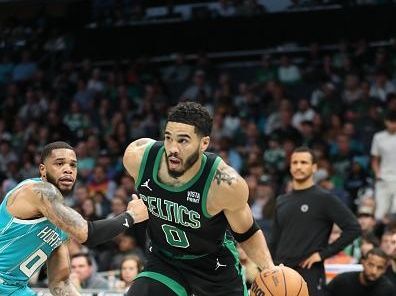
x,y
172,174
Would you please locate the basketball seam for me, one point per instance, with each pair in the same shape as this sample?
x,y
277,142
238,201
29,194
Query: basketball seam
x,y
301,284
284,282
266,285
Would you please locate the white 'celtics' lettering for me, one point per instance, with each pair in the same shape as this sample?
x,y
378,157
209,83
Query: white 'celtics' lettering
x,y
171,211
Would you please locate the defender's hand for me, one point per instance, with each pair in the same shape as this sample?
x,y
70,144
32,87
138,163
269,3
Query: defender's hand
x,y
137,209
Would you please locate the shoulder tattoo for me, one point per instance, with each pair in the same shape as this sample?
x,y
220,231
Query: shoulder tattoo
x,y
223,176
47,192
65,217
142,142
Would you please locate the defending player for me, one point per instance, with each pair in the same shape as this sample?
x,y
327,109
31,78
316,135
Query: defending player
x,y
35,223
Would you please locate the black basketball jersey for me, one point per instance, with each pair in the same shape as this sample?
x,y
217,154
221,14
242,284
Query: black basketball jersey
x,y
179,224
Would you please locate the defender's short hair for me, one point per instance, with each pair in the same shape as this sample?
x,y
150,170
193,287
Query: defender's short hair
x,y
194,114
47,150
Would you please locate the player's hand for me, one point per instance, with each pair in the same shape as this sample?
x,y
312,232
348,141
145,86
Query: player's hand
x,y
307,263
137,209
270,269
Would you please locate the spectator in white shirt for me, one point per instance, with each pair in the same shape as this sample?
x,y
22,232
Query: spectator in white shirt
x,y
384,166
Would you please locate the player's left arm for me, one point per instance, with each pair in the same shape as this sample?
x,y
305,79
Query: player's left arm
x,y
235,193
49,202
58,265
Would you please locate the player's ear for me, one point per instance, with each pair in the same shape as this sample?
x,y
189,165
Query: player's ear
x,y
43,171
205,143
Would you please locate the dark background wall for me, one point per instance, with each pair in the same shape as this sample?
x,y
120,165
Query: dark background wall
x,y
374,23
210,35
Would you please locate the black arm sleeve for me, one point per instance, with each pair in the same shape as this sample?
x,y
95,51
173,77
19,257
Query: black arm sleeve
x,y
241,237
104,230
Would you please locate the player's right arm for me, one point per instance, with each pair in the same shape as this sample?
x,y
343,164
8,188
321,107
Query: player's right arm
x,y
234,193
134,154
58,265
48,201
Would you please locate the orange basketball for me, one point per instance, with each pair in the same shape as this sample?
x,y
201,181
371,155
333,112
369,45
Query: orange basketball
x,y
282,281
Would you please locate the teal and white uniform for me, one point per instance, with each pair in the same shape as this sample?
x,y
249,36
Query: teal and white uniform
x,y
25,246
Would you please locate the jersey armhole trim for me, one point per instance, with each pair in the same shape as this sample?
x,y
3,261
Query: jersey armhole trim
x,y
207,186
32,221
143,164
12,218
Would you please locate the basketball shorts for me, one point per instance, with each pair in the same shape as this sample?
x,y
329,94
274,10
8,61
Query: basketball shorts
x,y
216,274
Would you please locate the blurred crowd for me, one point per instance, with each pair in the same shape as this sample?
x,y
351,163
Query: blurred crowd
x,y
107,13
126,12
333,101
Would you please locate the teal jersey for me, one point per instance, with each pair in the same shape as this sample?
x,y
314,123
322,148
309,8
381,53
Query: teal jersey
x,y
25,245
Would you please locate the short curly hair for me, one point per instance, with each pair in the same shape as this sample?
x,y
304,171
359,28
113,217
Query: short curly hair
x,y
194,114
47,150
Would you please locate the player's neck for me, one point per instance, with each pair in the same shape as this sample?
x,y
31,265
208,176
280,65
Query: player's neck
x,y
303,185
183,179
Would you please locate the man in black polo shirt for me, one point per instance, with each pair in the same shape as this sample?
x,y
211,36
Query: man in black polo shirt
x,y
303,222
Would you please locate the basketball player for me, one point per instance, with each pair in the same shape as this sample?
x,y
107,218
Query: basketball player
x,y
192,196
35,223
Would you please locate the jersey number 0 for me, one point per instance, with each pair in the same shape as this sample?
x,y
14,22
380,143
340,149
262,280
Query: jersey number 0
x,y
34,261
175,236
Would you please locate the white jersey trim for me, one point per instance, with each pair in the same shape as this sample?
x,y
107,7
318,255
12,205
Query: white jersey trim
x,y
33,221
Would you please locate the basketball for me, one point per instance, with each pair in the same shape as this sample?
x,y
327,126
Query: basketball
x,y
283,281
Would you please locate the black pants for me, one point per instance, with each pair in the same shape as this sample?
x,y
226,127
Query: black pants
x,y
315,278
217,274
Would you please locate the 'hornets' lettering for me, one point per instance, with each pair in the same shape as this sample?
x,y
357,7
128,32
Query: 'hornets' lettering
x,y
171,211
50,236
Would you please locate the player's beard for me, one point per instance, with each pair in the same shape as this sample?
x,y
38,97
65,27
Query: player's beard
x,y
190,161
52,180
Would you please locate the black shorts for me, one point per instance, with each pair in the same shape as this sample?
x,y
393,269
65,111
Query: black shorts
x,y
216,274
